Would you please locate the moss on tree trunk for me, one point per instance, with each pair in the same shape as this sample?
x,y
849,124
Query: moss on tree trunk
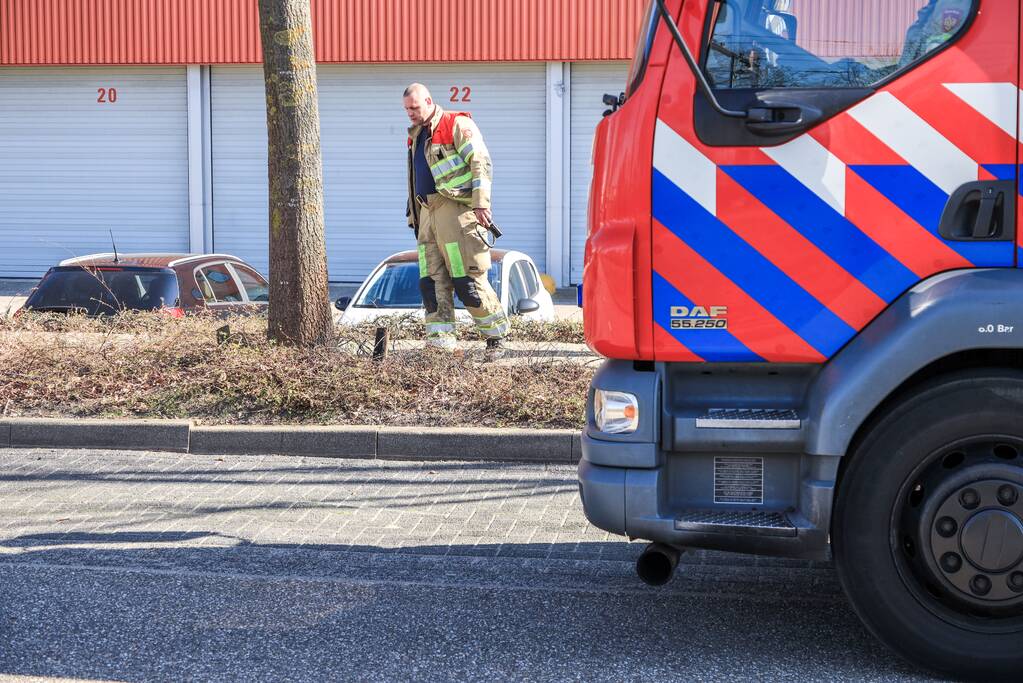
x,y
299,311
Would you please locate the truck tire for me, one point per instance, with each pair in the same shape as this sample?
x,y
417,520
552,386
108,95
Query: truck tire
x,y
928,526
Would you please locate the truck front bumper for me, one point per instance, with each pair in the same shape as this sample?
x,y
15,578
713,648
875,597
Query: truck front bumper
x,y
629,502
660,482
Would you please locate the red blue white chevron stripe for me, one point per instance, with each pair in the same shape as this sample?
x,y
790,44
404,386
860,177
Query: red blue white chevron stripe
x,y
807,242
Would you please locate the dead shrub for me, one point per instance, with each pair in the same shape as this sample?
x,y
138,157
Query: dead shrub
x,y
406,326
151,365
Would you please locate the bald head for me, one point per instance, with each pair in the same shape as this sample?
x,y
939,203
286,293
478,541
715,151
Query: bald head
x,y
417,89
418,104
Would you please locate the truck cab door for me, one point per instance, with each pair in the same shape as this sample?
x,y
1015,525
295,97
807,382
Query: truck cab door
x,y
877,147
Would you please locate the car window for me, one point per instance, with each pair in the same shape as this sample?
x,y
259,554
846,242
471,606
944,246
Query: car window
x,y
494,277
517,286
203,289
825,43
253,283
104,290
530,277
396,285
221,287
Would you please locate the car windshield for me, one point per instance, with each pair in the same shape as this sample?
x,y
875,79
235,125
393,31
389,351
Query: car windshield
x,y
104,290
396,285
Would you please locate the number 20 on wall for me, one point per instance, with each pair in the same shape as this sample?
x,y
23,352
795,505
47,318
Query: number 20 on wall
x,y
106,95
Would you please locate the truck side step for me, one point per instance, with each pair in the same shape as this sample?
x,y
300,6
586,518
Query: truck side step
x,y
736,522
749,418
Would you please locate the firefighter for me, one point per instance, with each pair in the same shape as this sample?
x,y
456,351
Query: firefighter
x,y
936,23
449,174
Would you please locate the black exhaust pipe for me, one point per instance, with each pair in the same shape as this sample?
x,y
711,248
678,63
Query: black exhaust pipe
x,y
657,564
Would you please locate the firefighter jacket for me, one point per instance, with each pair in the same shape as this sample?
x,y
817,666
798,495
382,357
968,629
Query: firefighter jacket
x,y
458,159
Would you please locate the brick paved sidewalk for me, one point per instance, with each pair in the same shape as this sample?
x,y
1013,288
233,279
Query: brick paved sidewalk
x,y
489,509
92,506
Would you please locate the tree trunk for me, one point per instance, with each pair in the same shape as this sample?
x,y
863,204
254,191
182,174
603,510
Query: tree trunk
x,y
299,301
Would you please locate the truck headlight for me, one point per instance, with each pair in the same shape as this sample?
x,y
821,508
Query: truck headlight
x,y
615,412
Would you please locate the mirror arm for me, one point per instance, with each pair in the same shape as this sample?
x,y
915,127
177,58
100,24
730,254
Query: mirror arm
x,y
701,80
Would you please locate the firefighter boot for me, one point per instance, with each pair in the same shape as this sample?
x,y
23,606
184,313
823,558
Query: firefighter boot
x,y
495,350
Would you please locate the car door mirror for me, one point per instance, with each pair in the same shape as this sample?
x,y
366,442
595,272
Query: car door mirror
x,y
342,303
526,306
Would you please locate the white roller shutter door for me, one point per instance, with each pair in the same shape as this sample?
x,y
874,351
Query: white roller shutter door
x,y
590,81
87,150
363,130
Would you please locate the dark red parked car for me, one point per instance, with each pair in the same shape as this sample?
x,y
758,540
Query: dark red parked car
x,y
102,284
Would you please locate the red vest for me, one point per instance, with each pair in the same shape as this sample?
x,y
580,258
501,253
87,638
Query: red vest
x,y
444,134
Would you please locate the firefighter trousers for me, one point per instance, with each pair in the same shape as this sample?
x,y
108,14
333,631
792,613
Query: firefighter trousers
x,y
454,259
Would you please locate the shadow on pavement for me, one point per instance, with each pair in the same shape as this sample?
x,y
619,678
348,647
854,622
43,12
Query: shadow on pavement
x,y
354,473
195,604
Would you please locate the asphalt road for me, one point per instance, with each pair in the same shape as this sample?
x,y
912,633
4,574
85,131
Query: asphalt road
x,y
150,566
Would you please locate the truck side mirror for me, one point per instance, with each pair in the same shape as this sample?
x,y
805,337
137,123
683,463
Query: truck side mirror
x,y
526,306
613,101
342,303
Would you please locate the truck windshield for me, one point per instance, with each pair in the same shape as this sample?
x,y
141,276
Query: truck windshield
x,y
643,46
104,290
796,44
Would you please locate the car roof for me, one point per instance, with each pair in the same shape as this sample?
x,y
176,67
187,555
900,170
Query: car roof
x,y
151,260
412,255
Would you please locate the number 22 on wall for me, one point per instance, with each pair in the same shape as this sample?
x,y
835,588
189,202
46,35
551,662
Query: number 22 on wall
x,y
460,93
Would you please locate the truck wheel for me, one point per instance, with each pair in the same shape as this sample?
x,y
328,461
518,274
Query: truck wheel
x,y
928,526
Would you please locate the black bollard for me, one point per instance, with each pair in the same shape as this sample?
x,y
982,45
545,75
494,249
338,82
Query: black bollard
x,y
380,343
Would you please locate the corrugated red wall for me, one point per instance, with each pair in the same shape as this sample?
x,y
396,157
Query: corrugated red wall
x,y
227,31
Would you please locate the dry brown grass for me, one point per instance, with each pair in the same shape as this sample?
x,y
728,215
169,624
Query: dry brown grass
x,y
150,365
410,327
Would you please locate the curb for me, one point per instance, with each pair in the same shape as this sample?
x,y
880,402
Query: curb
x,y
326,442
464,443
134,435
367,442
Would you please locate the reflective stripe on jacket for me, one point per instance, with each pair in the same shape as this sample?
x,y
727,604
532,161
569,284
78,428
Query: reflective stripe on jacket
x,y
458,159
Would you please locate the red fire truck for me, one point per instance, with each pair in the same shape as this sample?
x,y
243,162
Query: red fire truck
x,y
803,267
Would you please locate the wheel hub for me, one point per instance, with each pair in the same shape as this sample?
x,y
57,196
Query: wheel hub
x,y
958,536
975,530
993,541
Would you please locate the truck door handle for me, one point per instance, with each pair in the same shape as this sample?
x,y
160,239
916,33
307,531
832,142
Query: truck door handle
x,y
984,210
781,119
